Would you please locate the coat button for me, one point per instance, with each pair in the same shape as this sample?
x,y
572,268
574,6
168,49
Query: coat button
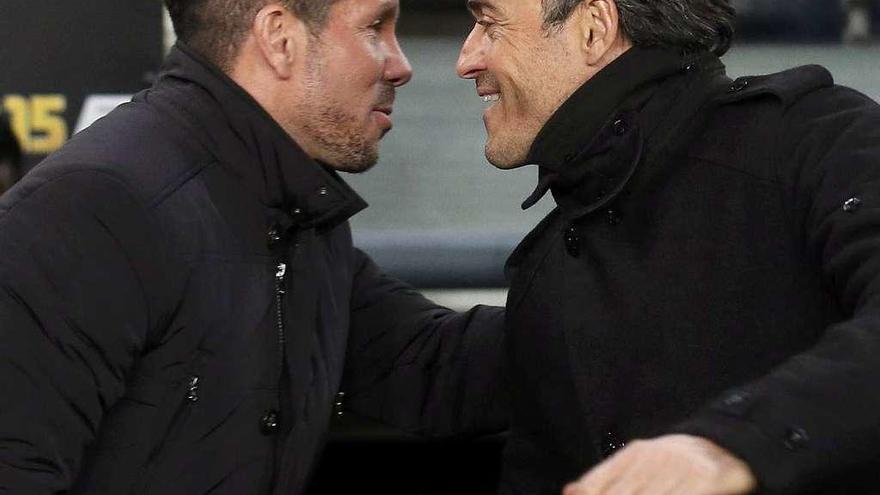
x,y
269,424
852,205
274,236
796,438
339,405
619,127
322,191
193,389
735,399
736,402
612,217
611,444
738,85
572,241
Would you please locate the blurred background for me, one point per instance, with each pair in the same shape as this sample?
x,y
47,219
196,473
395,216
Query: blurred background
x,y
441,217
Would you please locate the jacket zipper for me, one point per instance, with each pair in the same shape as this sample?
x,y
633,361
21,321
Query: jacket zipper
x,y
280,273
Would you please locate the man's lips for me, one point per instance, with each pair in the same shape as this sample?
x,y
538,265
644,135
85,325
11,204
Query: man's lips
x,y
488,94
382,115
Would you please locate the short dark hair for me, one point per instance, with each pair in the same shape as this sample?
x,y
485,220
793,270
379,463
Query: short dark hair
x,y
10,150
692,25
216,28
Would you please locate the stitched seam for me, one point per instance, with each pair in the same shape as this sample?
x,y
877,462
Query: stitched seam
x,y
175,185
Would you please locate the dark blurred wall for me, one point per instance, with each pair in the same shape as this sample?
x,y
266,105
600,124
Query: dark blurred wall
x,y
791,20
55,53
773,20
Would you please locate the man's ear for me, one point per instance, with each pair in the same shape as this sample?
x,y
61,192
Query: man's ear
x,y
599,26
280,37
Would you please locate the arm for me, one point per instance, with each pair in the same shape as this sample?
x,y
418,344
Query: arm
x,y
76,260
815,416
419,366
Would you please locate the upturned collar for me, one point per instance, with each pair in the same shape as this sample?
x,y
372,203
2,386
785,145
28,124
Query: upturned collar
x,y
590,147
248,142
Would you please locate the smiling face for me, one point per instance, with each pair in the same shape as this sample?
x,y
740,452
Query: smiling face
x,y
522,71
347,84
525,70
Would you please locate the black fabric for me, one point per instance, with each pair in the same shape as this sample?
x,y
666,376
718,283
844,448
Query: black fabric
x,y
711,268
586,111
140,350
603,109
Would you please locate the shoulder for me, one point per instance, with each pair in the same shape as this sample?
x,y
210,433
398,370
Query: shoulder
x,y
794,93
136,145
757,120
787,87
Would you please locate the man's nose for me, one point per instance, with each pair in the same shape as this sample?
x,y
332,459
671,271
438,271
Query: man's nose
x,y
398,71
470,60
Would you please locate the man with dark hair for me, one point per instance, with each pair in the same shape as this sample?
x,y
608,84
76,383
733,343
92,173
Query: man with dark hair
x,y
180,294
701,312
10,156
217,28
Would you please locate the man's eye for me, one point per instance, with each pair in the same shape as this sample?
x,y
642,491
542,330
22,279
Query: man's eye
x,y
489,27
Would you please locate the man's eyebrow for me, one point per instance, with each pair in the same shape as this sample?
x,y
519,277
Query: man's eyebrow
x,y
476,6
388,10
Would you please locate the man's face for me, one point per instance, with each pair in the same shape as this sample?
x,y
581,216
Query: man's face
x,y
350,74
524,71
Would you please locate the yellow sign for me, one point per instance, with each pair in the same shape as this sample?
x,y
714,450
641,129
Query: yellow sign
x,y
37,121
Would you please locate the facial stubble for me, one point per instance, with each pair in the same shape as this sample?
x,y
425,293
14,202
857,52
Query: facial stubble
x,y
332,127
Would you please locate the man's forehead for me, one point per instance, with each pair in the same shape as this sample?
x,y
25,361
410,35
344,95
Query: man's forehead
x,y
382,7
389,5
385,5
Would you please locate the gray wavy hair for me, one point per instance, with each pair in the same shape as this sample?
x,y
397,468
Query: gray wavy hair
x,y
692,25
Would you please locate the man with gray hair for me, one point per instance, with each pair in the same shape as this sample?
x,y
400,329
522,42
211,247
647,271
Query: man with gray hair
x,y
181,306
701,312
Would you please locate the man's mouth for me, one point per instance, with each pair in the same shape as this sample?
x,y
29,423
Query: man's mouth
x,y
488,88
382,117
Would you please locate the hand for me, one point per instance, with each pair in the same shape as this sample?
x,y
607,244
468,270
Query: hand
x,y
668,465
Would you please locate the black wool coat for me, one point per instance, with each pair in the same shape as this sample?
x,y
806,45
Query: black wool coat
x,y
712,268
179,297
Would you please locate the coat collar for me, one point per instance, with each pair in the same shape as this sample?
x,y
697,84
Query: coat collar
x,y
587,109
591,146
247,141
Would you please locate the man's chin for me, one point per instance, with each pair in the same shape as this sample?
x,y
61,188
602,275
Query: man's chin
x,y
504,158
356,163
356,168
